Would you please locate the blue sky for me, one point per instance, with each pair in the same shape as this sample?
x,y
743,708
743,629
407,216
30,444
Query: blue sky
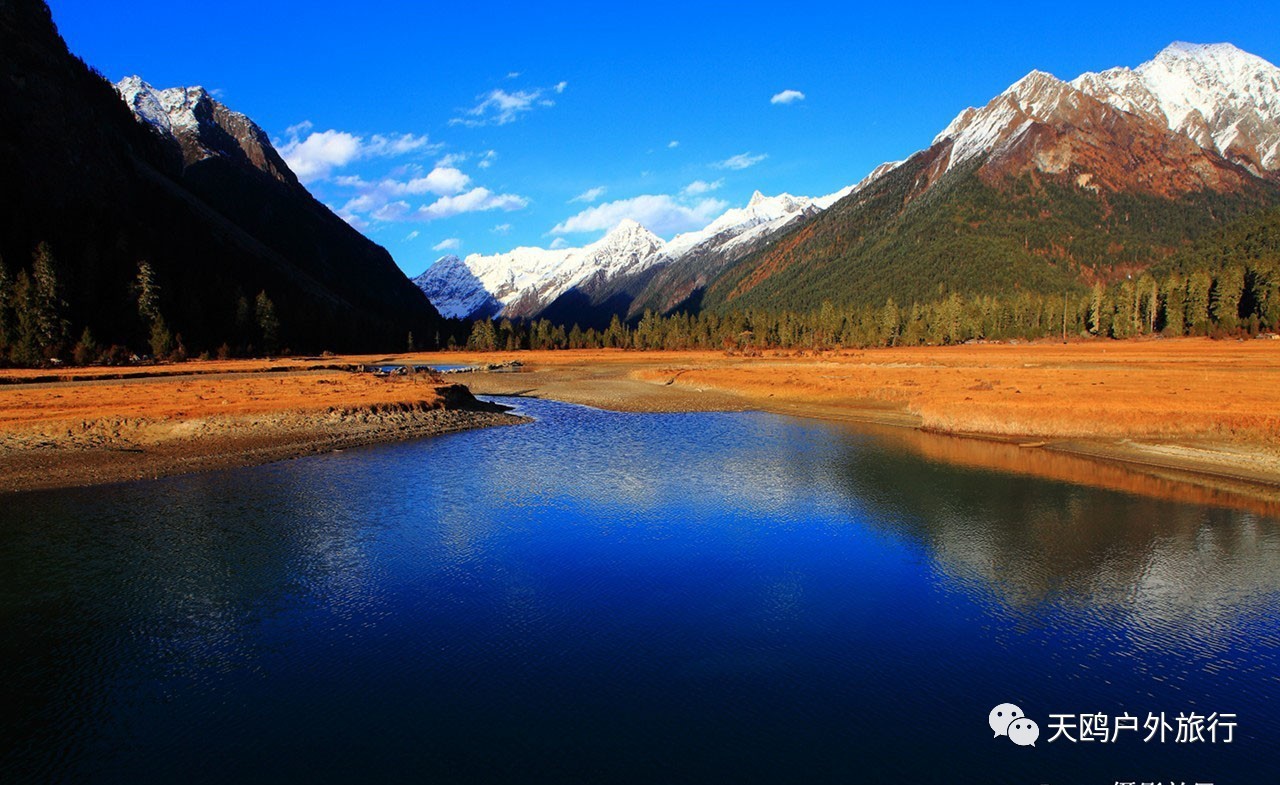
x,y
476,127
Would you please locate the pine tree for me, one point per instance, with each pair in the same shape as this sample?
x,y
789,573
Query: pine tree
x,y
51,327
86,349
1097,310
25,348
889,323
161,339
268,323
1199,285
1228,289
6,309
148,291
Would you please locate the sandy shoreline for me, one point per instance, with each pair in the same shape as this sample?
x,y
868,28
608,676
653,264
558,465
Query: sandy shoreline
x,y
1198,412
139,440
1237,457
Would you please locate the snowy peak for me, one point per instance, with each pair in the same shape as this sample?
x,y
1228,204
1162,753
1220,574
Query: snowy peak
x,y
1038,97
202,126
524,281
459,294
629,234
1221,97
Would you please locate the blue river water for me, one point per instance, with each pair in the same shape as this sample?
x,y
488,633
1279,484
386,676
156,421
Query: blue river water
x,y
651,598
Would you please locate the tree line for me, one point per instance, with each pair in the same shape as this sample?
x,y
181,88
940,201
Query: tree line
x,y
35,328
1233,300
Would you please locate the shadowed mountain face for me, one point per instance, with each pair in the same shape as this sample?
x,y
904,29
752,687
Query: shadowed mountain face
x,y
208,203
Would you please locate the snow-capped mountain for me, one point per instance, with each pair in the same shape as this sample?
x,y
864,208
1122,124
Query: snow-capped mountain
x,y
1219,96
456,291
1051,184
525,282
202,126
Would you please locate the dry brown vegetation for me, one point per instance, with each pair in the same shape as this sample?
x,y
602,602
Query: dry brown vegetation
x,y
1225,391
196,416
186,397
1191,404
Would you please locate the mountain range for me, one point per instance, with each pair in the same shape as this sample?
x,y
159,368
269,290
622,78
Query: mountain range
x,y
1051,185
134,210
611,276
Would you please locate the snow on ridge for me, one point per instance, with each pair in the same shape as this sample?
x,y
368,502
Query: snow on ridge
x,y
1218,95
172,110
463,285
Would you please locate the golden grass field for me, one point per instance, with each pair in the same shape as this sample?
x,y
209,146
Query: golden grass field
x,y
1223,391
1195,404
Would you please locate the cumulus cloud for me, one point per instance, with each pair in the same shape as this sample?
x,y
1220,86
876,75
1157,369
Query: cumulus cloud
x,y
500,107
740,161
673,144
314,155
699,187
450,244
589,195
389,199
660,213
473,201
787,97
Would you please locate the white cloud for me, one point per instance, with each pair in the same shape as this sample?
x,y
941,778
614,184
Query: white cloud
x,y
559,243
389,199
499,107
442,181
380,146
320,153
489,157
314,155
475,200
502,229
699,187
589,195
787,97
673,144
740,161
412,235
451,244
661,213
452,159
513,75
392,211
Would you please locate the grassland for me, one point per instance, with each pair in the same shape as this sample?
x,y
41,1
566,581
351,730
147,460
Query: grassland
x,y
1182,409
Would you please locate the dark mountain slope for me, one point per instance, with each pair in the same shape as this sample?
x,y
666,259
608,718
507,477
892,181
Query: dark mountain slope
x,y
106,192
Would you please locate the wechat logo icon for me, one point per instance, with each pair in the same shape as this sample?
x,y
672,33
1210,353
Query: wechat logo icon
x,y
1010,721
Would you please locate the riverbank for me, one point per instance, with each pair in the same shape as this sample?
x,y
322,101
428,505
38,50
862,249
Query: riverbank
x,y
1184,410
92,431
1190,408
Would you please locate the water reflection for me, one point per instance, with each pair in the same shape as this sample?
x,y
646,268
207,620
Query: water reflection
x,y
1052,540
614,597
